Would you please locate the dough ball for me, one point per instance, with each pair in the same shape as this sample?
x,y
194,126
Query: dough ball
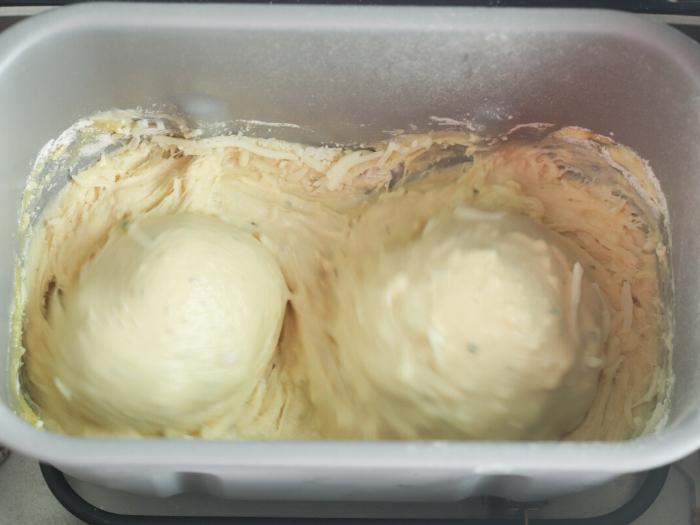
x,y
170,326
481,326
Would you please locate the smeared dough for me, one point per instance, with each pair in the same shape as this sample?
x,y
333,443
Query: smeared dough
x,y
347,229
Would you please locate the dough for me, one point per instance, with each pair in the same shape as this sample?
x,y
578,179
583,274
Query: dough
x,y
331,233
482,327
170,326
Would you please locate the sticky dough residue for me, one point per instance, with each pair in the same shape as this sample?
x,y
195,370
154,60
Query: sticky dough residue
x,y
306,202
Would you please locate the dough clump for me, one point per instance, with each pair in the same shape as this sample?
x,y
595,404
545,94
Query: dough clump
x,y
482,327
169,326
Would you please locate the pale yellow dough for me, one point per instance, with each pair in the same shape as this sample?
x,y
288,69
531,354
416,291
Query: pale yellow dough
x,y
171,325
482,327
431,286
